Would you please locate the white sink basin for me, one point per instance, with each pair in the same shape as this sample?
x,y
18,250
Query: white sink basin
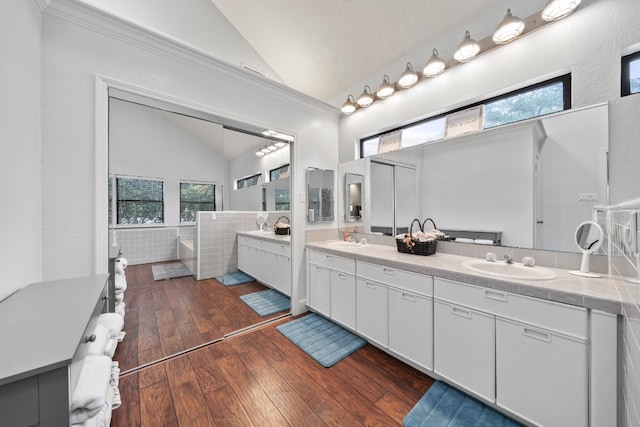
x,y
347,245
508,271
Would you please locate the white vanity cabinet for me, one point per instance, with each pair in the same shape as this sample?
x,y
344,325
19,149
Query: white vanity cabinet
x,y
372,311
535,349
332,288
267,261
409,312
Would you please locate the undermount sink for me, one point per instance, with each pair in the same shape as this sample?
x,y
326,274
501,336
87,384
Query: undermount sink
x,y
347,245
508,271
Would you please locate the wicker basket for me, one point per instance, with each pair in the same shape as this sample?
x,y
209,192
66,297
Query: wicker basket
x,y
416,247
282,231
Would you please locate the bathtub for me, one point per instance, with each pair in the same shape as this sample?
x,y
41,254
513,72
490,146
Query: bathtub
x,y
187,255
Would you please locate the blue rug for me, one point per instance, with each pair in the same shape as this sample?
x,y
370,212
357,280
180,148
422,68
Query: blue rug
x,y
235,278
267,302
443,405
321,339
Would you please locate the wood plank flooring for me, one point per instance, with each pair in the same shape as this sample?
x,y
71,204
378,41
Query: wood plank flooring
x,y
257,378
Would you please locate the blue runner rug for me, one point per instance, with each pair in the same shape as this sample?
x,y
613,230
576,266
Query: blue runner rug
x,y
323,340
443,405
235,278
267,302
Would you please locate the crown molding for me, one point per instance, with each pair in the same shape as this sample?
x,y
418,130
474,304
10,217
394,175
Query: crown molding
x,y
118,28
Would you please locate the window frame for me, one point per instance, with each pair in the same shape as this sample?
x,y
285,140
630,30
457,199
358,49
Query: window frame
x,y
117,199
212,184
565,79
247,179
625,73
279,169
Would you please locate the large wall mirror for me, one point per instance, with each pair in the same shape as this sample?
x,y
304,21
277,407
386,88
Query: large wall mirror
x,y
353,197
187,154
320,195
532,181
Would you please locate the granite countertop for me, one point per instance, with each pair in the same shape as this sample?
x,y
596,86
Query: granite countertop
x,y
600,294
266,235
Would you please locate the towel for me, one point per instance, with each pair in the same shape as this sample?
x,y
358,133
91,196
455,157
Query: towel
x,y
113,322
120,283
110,349
91,391
463,240
123,261
103,417
120,297
483,241
97,347
120,310
119,268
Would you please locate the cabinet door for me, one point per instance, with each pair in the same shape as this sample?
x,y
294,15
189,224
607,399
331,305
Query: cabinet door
x,y
372,311
464,348
243,257
320,289
281,277
411,326
343,298
264,261
541,376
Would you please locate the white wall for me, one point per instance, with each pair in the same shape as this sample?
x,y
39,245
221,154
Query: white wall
x,y
20,46
586,44
144,143
74,55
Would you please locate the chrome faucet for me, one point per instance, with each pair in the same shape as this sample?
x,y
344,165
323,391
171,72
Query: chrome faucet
x,y
508,259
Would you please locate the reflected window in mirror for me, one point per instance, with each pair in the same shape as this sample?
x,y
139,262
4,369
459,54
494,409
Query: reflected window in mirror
x,y
249,181
194,197
354,187
630,74
319,195
540,99
279,173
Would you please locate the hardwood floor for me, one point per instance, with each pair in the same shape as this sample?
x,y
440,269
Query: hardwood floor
x,y
257,378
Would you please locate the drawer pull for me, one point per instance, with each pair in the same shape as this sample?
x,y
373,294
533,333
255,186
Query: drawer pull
x,y
460,312
536,335
370,285
319,268
106,297
90,338
408,297
389,271
342,276
495,295
328,257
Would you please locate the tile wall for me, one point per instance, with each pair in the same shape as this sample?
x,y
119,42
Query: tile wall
x,y
625,262
146,245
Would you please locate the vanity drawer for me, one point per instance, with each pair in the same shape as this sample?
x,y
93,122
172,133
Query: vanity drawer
x,y
402,279
333,262
278,248
551,315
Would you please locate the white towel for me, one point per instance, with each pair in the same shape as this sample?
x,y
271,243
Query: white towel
x,y
123,261
120,283
110,349
113,322
463,240
119,268
119,296
120,310
91,391
483,241
98,346
103,417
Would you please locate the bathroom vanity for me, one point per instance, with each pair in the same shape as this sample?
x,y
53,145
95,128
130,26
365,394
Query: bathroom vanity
x,y
544,351
266,256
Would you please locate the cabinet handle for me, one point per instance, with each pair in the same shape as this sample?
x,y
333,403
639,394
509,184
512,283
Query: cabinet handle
x,y
328,257
409,297
495,295
536,335
460,312
389,271
370,285
342,276
318,268
90,338
106,297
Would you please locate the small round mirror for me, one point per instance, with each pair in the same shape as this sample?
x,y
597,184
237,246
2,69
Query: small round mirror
x,y
589,236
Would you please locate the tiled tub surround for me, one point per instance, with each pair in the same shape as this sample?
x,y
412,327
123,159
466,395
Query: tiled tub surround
x,y
148,244
625,262
216,243
572,292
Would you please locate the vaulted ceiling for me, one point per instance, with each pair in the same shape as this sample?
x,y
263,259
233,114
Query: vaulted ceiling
x,y
322,47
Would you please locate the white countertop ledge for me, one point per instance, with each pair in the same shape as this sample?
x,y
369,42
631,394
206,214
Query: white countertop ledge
x,y
598,294
266,235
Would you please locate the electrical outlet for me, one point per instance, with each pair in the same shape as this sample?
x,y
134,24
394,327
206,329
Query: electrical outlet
x,y
213,216
588,197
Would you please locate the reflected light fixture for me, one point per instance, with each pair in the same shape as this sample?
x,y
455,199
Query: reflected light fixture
x,y
385,89
272,147
279,144
467,49
259,153
365,99
434,66
558,9
510,28
349,106
408,78
265,150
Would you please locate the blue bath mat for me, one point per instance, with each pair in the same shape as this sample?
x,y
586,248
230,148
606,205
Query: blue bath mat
x,y
235,278
321,339
443,405
267,302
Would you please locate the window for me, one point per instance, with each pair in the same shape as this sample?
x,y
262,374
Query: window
x,y
139,200
631,74
282,199
279,173
537,100
249,181
194,197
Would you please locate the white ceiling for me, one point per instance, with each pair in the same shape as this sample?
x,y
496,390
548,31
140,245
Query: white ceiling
x,y
321,47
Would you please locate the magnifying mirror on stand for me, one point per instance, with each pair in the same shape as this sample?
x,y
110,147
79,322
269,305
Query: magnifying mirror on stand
x,y
589,236
261,221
